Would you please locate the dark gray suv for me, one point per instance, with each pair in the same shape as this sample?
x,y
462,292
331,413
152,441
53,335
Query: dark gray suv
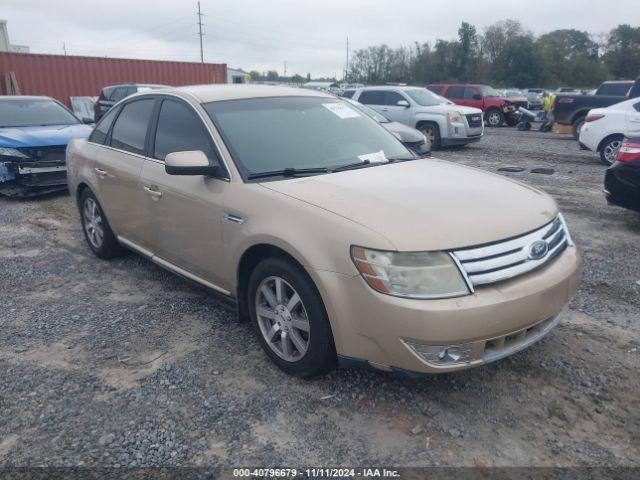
x,y
112,94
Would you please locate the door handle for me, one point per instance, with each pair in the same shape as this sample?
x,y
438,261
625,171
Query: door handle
x,y
101,173
152,191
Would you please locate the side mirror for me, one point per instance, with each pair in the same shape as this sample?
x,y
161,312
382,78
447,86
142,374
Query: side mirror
x,y
87,120
193,162
403,103
477,96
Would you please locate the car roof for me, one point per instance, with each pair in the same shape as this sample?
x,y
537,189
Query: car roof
x,y
228,91
390,87
25,97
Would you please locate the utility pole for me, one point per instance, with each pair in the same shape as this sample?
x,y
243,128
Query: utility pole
x,y
64,48
346,70
200,33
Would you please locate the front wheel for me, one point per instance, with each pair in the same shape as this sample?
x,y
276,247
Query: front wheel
x,y
290,319
495,118
609,150
432,132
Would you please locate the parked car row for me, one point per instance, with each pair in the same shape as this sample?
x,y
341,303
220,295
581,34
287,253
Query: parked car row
x,y
321,227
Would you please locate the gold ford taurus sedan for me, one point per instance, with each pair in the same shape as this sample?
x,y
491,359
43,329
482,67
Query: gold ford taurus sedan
x,y
338,244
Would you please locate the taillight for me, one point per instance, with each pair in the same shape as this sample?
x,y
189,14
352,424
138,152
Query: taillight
x,y
593,118
628,152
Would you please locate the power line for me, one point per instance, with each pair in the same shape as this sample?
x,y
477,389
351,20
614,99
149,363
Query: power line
x,y
200,33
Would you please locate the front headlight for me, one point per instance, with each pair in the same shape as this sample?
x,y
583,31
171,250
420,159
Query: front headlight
x,y
12,152
454,117
410,274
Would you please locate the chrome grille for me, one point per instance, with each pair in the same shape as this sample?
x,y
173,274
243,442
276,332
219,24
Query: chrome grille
x,y
507,259
474,120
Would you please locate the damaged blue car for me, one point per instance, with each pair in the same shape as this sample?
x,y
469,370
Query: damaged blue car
x,y
34,132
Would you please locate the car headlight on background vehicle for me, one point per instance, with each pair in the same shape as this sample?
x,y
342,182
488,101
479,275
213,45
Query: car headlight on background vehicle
x,y
410,274
12,152
454,117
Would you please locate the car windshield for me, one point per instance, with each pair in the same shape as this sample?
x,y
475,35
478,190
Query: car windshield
x,y
425,97
370,111
31,113
488,91
277,133
514,93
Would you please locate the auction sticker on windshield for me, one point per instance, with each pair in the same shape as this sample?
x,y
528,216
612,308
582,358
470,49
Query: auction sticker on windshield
x,y
341,110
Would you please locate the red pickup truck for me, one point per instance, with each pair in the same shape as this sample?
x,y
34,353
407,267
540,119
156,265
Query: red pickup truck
x,y
497,109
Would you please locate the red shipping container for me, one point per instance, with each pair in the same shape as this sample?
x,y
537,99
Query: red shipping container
x,y
62,76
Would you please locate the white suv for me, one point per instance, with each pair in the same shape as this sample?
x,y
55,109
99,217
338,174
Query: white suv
x,y
443,122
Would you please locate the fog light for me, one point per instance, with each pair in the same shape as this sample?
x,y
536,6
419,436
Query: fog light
x,y
443,355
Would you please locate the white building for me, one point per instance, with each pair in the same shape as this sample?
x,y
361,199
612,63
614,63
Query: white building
x,y
5,44
236,76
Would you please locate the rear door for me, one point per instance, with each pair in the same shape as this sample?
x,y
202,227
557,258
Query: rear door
x,y
374,98
119,165
633,120
183,213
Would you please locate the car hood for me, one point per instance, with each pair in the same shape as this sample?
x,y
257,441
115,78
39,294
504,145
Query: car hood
x,y
443,109
407,134
426,204
51,135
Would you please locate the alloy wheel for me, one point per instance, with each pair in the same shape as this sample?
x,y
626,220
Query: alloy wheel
x,y
610,151
493,119
93,223
431,136
282,318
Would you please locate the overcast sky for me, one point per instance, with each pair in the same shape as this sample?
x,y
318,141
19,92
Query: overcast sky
x,y
262,34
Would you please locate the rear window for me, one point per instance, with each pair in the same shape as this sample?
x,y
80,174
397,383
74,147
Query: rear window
x,y
614,89
455,92
34,113
372,97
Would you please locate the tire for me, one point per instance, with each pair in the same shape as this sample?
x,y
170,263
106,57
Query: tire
x,y
577,125
432,132
512,121
609,149
282,324
495,118
95,226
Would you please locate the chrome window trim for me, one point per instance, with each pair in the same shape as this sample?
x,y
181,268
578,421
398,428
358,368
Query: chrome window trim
x,y
156,95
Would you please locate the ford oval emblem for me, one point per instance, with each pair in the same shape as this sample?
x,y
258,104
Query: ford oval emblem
x,y
538,249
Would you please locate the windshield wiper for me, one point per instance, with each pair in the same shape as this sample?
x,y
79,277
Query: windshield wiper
x,y
288,172
352,166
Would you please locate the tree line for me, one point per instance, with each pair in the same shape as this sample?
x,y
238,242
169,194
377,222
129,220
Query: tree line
x,y
505,54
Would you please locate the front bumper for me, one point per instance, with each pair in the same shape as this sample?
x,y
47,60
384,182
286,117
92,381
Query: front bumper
x,y
459,133
19,177
496,321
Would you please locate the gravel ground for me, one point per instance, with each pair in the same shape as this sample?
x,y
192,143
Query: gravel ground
x,y
123,364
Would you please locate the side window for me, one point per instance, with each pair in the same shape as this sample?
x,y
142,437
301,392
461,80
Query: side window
x,y
435,88
130,130
455,92
469,92
372,97
392,98
107,93
637,106
179,129
99,134
348,93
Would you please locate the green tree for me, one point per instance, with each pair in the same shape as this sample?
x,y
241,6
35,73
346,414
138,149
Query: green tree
x,y
468,52
622,55
519,63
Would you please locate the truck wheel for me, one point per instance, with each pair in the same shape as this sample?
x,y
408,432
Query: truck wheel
x,y
290,319
432,132
577,125
495,118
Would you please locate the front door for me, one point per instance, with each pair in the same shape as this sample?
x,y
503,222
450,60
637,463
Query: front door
x,y
183,213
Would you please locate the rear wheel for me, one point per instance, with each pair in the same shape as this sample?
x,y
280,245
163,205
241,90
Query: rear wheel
x,y
432,132
609,150
495,118
577,126
96,228
290,319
